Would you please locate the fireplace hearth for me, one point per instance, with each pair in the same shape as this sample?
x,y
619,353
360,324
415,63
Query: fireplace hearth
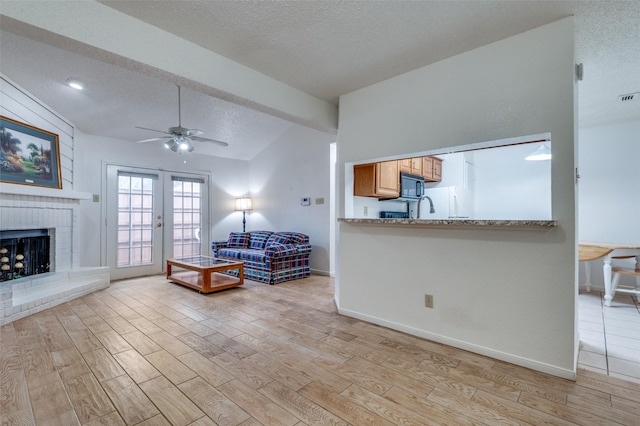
x,y
24,253
52,217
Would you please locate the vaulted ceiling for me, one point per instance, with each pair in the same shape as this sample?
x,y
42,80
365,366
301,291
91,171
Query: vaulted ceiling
x,y
305,53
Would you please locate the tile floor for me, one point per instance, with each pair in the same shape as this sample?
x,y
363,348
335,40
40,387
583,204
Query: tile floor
x,y
610,336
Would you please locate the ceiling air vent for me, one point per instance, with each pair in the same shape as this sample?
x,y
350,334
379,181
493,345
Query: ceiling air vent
x,y
629,97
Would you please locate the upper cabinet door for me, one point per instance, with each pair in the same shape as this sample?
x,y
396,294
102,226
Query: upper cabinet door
x,y
388,179
416,166
427,168
411,165
381,180
431,169
405,165
437,170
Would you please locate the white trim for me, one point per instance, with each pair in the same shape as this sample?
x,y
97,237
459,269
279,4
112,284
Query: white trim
x,y
513,359
36,191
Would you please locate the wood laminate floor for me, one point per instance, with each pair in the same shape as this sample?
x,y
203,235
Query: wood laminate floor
x,y
148,352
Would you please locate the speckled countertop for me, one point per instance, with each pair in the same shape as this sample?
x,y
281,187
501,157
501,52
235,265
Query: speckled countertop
x,y
455,223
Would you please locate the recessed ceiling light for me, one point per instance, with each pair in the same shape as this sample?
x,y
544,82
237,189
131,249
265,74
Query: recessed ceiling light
x,y
75,83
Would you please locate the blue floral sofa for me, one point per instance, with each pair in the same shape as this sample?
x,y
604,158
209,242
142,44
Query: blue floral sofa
x,y
269,257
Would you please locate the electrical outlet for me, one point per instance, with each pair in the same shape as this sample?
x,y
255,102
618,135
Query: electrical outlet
x,y
428,301
366,211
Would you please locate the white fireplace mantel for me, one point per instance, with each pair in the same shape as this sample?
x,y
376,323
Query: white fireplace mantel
x,y
37,191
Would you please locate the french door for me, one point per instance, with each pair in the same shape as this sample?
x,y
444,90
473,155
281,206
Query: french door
x,y
153,215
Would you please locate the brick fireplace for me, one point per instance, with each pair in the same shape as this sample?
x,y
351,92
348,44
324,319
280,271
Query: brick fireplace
x,y
53,212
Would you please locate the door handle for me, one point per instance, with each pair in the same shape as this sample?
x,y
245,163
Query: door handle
x,y
159,225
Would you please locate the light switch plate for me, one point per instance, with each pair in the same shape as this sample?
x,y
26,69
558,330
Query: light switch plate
x,y
305,201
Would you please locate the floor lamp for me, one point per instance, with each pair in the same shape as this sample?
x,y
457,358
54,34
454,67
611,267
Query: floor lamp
x,y
243,204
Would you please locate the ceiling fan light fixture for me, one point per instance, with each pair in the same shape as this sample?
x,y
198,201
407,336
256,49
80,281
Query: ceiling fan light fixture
x,y
75,83
172,145
185,145
180,138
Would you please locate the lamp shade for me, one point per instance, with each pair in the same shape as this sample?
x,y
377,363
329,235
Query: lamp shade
x,y
540,154
243,203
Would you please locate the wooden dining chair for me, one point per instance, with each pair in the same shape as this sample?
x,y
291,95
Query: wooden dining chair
x,y
617,272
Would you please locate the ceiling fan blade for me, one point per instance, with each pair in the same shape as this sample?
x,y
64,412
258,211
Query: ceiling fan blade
x,y
154,139
199,139
153,130
194,132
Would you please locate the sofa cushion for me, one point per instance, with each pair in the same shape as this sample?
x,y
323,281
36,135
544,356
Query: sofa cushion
x,y
280,250
295,237
238,240
277,239
249,255
258,239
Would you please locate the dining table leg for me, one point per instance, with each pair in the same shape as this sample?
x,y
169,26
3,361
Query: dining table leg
x,y
606,270
587,273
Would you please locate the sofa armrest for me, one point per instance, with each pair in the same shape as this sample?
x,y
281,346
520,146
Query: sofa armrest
x,y
287,250
216,245
303,249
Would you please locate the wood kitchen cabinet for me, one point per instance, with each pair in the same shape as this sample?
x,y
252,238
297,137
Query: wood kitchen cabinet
x,y
381,180
432,169
437,170
411,165
405,165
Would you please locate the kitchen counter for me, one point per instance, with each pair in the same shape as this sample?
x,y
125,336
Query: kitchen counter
x,y
456,223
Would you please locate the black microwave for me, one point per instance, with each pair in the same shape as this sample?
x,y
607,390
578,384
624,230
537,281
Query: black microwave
x,y
411,187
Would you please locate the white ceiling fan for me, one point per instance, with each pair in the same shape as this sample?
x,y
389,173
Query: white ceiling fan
x,y
179,138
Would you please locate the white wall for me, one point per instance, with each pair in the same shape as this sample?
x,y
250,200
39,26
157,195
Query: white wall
x,y
18,104
509,294
294,166
228,179
609,209
509,187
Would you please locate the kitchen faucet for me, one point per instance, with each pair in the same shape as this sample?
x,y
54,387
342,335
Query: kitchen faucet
x,y
431,209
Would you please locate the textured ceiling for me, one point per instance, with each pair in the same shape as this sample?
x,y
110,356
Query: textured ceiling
x,y
117,99
322,48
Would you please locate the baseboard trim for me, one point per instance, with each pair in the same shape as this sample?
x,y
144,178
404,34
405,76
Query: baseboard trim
x,y
502,356
319,272
593,287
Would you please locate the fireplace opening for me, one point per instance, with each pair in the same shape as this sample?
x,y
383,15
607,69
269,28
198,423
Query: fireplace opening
x,y
24,253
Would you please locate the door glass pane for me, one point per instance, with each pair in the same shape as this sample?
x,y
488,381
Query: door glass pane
x,y
135,220
187,218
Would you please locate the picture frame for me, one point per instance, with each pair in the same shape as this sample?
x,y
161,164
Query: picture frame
x,y
29,155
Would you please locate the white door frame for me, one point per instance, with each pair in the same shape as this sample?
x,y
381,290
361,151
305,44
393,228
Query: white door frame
x,y
108,233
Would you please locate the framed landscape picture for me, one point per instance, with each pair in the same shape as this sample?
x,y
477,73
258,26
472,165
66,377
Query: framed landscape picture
x,y
28,155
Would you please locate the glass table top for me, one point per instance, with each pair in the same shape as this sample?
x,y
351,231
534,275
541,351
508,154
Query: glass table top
x,y
203,261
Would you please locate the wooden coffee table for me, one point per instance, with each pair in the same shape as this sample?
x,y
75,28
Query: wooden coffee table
x,y
202,273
